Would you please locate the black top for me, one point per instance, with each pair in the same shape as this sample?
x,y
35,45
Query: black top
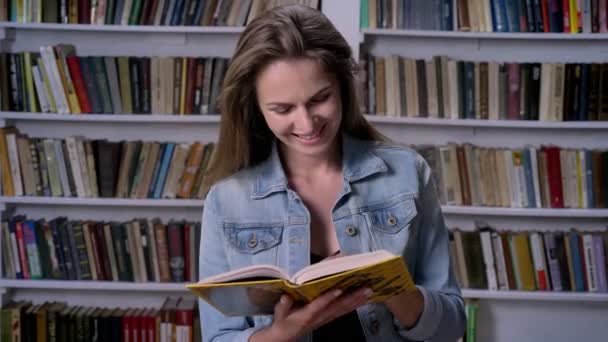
x,y
344,328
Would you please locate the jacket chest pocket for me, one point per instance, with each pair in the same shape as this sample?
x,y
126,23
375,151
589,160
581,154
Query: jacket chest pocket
x,y
389,224
253,244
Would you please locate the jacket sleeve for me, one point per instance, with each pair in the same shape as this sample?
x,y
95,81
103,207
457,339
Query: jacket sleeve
x,y
213,260
443,317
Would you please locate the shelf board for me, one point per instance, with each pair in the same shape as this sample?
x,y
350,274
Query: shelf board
x,y
207,119
123,118
489,123
92,285
124,28
180,287
524,212
536,295
485,35
110,202
196,203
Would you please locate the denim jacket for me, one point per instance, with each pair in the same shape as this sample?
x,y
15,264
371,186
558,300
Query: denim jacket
x,y
381,181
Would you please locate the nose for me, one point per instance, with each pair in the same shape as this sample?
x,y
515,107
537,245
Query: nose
x,y
304,120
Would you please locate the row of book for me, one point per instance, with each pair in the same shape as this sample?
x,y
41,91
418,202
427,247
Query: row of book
x,y
139,250
530,260
56,80
176,320
448,88
561,16
81,167
140,12
530,177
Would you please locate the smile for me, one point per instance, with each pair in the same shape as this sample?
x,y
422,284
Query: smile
x,y
311,138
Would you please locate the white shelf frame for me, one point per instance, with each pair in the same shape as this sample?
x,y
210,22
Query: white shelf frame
x,y
105,202
122,118
488,123
484,35
214,119
74,285
233,30
447,209
536,296
524,212
92,285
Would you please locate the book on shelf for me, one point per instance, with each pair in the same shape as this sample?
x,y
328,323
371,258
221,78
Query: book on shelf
x,y
539,16
176,319
442,87
255,290
490,259
141,12
139,250
57,80
80,167
529,177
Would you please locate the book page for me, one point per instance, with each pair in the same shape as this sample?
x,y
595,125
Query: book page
x,y
245,298
340,264
255,271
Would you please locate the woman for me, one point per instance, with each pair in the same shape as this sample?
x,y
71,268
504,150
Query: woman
x,y
299,174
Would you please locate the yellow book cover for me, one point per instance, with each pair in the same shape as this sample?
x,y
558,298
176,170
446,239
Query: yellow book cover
x,y
182,87
573,9
125,85
524,259
5,168
62,51
255,290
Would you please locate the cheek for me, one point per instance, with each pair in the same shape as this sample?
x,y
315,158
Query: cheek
x,y
276,124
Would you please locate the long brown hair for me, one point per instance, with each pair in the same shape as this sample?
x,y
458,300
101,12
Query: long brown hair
x,y
293,31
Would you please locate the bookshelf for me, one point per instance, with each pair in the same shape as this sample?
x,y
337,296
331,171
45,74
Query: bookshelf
x,y
103,286
191,203
503,307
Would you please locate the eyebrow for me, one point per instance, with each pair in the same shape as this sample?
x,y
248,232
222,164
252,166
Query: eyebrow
x,y
286,104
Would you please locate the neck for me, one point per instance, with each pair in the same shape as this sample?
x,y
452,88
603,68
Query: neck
x,y
304,166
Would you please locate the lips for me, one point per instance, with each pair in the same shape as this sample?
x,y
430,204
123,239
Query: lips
x,y
311,138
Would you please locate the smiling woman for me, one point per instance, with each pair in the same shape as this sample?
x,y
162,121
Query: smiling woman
x,y
299,175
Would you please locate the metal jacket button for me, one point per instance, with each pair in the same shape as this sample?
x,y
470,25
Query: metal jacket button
x,y
392,221
253,243
351,231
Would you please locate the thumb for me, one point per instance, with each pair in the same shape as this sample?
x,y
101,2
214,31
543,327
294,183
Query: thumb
x,y
282,308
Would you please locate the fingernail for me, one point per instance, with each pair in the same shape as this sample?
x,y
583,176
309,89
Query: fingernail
x,y
368,292
337,293
283,299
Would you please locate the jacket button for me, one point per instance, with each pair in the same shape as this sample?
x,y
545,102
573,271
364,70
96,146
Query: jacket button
x,y
375,327
252,243
392,221
351,230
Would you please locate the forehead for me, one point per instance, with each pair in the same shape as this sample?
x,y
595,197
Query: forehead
x,y
287,77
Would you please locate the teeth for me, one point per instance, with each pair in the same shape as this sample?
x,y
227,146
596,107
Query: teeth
x,y
309,137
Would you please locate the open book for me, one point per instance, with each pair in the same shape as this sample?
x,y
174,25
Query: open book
x,y
255,290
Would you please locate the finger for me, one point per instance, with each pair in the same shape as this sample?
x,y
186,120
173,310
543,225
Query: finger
x,y
283,307
343,305
321,302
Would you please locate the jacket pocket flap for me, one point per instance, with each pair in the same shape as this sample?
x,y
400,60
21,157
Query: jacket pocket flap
x,y
252,240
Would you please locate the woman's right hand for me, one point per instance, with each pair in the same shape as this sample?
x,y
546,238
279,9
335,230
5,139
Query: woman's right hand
x,y
290,322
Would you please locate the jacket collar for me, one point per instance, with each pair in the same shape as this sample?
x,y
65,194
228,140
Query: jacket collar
x,y
358,162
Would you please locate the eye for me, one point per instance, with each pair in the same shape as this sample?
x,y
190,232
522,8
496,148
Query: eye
x,y
282,109
320,98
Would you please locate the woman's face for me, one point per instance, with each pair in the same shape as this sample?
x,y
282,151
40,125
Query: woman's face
x,y
301,105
